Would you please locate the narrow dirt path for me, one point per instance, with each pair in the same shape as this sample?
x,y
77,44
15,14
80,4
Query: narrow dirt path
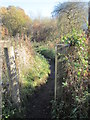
x,y
40,103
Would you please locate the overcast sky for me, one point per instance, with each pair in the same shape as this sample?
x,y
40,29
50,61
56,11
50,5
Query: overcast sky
x,y
35,8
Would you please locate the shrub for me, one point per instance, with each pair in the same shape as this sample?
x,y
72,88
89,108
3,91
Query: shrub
x,y
46,52
43,30
74,102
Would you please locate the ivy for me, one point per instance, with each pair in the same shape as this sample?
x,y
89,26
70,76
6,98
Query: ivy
x,y
75,87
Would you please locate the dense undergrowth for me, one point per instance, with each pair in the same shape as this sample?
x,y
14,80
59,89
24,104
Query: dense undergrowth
x,y
74,101
45,49
33,68
33,71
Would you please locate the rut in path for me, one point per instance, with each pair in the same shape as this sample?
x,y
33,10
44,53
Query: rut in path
x,y
40,102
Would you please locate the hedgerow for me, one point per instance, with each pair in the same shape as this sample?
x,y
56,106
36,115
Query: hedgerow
x,y
74,102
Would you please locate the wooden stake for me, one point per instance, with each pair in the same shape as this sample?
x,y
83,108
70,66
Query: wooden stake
x,y
0,83
55,70
14,82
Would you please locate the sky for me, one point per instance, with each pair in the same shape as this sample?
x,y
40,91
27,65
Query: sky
x,y
35,8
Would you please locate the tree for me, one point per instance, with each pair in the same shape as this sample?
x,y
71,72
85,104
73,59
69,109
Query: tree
x,y
71,15
43,30
15,19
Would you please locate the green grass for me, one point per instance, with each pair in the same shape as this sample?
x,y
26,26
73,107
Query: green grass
x,y
36,76
33,74
44,50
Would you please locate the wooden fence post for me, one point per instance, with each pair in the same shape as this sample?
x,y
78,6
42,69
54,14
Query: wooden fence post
x,y
14,82
0,83
0,71
55,70
60,69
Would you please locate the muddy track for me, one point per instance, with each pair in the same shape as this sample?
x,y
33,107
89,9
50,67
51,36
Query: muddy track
x,y
40,102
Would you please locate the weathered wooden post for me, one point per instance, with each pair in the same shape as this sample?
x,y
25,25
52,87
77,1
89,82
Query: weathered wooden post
x,y
14,77
55,70
60,69
14,82
0,83
0,72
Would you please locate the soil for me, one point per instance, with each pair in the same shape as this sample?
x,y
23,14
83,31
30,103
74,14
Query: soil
x,y
39,106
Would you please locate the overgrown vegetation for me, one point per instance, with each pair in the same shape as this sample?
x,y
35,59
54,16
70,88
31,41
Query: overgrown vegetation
x,y
45,49
74,100
33,68
33,72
